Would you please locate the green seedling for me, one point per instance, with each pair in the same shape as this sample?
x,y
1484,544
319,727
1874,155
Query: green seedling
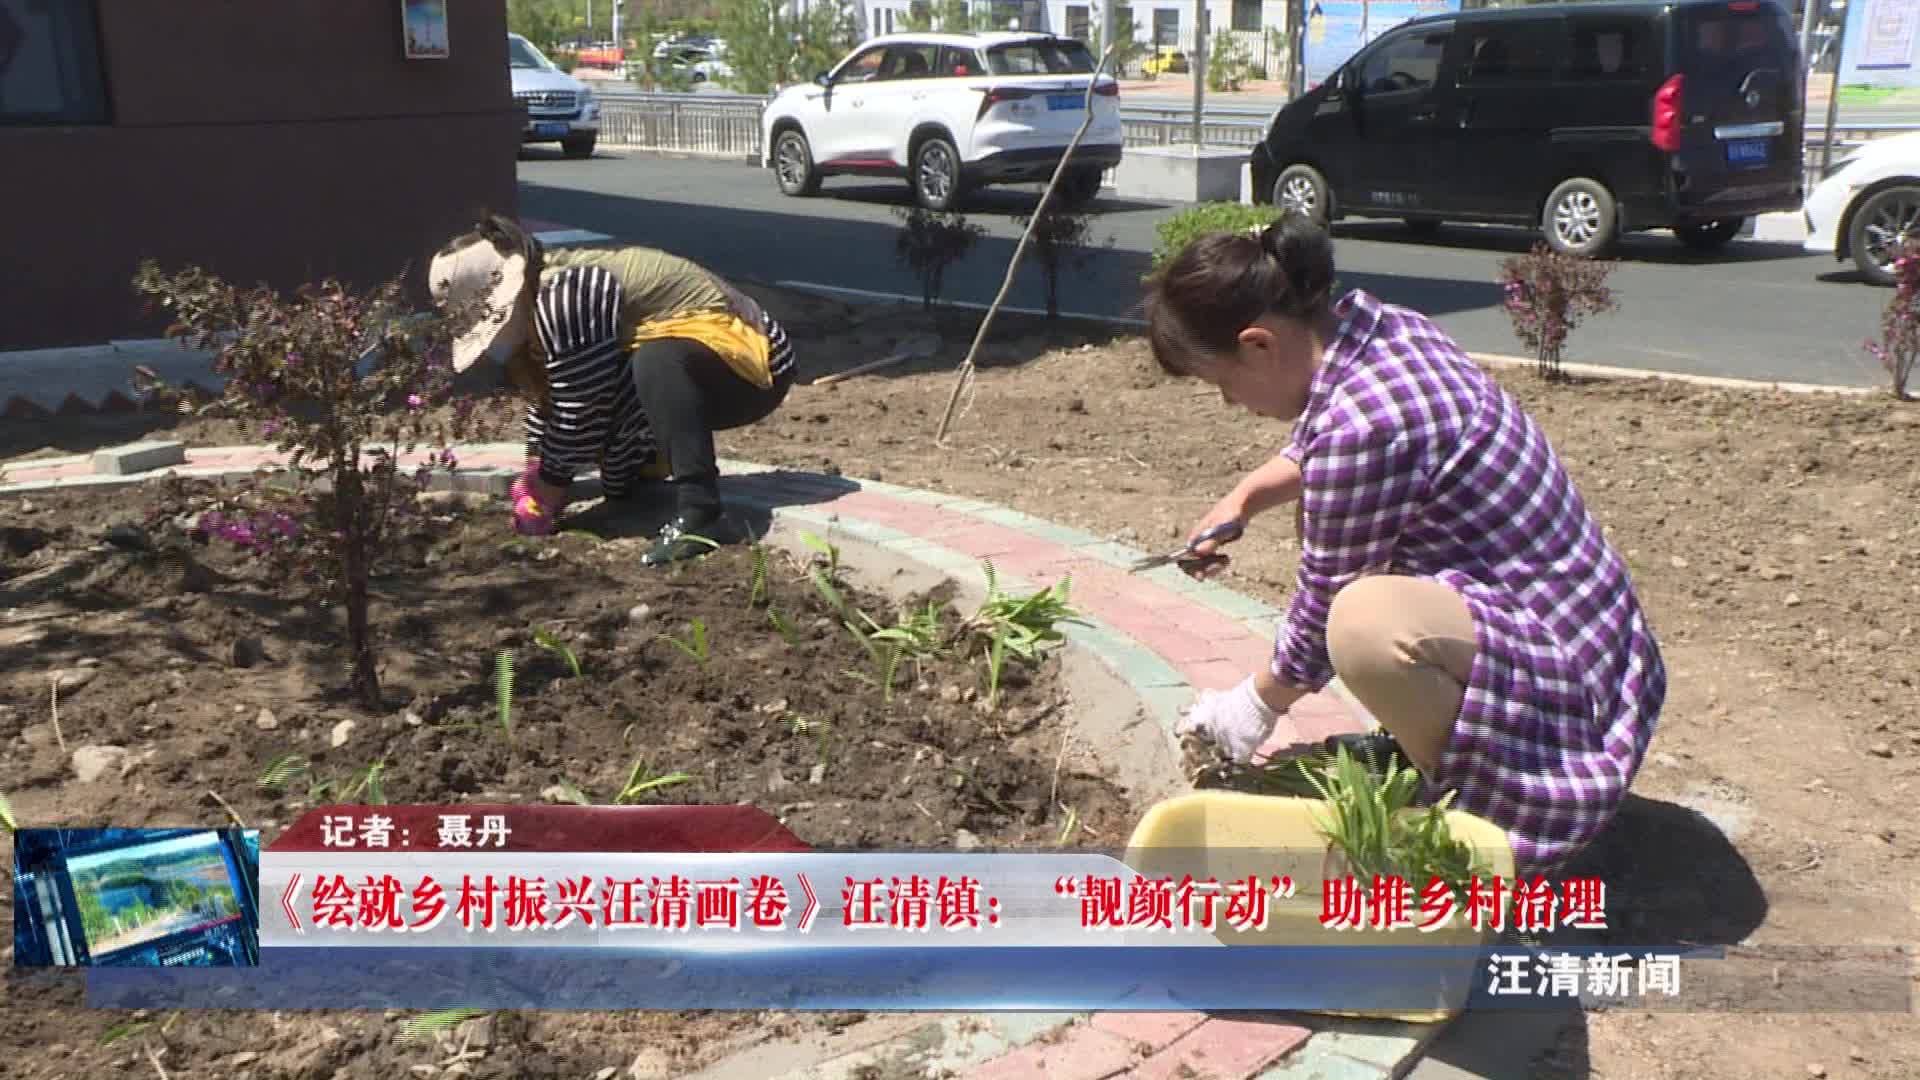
x,y
819,729
1071,826
583,534
121,1031
1371,820
831,553
695,645
915,637
546,640
573,794
643,780
1023,627
503,691
784,628
367,781
282,769
757,585
428,1025
6,816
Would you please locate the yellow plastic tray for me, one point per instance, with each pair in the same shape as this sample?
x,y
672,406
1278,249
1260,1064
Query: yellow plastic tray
x,y
1228,835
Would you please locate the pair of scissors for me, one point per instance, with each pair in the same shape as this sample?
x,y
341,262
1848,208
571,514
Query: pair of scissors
x,y
1224,533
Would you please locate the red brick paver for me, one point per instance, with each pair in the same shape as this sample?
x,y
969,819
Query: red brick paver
x,y
1084,1052
1223,1049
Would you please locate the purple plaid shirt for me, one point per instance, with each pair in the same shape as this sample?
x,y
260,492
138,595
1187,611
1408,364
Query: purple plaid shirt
x,y
1417,462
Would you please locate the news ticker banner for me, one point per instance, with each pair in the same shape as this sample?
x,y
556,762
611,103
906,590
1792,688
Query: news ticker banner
x,y
722,908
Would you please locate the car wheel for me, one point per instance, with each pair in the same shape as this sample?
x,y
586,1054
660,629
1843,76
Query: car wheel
x,y
1580,219
1709,235
580,148
793,164
1080,187
1882,227
1300,189
936,174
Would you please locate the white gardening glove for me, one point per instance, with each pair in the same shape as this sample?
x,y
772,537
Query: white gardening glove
x,y
1236,720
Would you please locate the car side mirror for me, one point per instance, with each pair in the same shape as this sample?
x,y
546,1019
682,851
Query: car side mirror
x,y
823,80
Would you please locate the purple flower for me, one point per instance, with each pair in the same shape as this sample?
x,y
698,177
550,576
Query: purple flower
x,y
414,401
270,428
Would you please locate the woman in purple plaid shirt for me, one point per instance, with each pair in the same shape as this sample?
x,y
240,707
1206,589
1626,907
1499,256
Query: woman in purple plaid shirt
x,y
1449,573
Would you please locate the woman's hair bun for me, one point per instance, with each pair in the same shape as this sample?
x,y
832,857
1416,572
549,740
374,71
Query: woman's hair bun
x,y
1304,251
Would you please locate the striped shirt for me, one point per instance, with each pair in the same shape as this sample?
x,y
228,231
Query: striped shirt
x,y
1417,462
593,415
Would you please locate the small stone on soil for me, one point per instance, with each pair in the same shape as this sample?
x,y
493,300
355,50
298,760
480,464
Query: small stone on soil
x,y
1881,749
266,721
68,680
342,731
242,1058
951,694
90,763
1817,1071
411,718
639,614
964,840
1792,600
818,774
606,1073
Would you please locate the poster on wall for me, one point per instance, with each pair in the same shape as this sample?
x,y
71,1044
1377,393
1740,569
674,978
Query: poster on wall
x,y
1878,49
426,29
1887,44
1336,29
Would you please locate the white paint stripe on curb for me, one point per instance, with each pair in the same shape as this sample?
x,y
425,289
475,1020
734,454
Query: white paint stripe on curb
x,y
1492,359
869,294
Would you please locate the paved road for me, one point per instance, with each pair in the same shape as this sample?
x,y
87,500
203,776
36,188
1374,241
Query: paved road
x,y
1759,310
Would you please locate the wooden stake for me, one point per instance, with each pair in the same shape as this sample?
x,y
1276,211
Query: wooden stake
x,y
896,358
1013,265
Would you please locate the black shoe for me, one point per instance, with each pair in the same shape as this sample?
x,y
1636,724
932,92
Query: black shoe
x,y
692,534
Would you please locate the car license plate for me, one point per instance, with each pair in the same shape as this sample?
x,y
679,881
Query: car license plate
x,y
1064,102
550,131
1747,152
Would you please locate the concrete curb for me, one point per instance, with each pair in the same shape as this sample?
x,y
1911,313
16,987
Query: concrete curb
x,y
1159,633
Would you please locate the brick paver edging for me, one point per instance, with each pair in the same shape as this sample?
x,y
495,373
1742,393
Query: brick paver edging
x,y
1161,632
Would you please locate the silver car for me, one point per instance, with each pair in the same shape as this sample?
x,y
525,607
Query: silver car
x,y
560,108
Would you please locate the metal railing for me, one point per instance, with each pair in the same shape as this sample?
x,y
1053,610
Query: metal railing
x,y
728,125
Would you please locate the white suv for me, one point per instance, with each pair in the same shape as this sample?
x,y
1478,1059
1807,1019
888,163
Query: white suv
x,y
560,108
947,112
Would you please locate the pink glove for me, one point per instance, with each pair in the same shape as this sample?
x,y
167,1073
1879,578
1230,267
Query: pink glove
x,y
530,517
1237,720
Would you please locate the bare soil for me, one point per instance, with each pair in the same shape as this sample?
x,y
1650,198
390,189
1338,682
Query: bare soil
x,y
206,667
1773,537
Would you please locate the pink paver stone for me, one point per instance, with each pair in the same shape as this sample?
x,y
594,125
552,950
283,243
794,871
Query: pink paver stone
x,y
1223,1049
1083,1053
1152,1030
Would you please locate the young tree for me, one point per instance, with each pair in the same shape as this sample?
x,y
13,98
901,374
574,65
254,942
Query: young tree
x,y
1062,240
1548,294
952,16
929,243
340,382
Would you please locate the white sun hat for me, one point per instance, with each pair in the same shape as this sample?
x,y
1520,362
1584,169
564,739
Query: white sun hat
x,y
480,271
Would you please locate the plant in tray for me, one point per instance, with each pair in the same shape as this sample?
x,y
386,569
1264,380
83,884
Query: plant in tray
x,y
1374,827
340,382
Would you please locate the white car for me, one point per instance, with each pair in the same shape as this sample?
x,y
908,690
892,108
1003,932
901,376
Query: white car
x,y
1868,206
560,108
947,112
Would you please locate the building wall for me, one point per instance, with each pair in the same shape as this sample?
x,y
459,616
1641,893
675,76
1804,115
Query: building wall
x,y
280,144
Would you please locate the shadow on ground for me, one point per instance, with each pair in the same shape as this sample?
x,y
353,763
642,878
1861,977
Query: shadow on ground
x,y
1673,878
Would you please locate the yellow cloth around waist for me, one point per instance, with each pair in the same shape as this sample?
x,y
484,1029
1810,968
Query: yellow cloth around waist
x,y
745,349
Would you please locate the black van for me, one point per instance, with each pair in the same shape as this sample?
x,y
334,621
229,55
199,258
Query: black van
x,y
1584,120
